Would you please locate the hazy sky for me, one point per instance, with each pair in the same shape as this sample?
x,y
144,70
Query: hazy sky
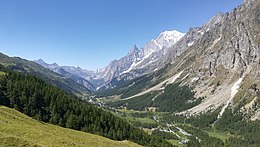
x,y
91,33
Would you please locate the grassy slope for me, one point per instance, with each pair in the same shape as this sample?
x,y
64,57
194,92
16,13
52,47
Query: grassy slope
x,y
217,134
17,129
2,73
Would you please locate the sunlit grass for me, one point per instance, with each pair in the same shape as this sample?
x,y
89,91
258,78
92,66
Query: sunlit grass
x,y
2,73
17,129
221,135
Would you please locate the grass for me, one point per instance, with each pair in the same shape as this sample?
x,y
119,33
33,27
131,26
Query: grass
x,y
140,119
220,135
176,143
17,129
2,73
145,120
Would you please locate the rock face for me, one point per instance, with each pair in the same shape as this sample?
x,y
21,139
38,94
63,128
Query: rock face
x,y
117,67
227,50
220,60
211,58
233,42
140,59
164,49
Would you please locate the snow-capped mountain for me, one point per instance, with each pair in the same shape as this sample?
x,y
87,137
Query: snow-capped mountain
x,y
117,67
164,40
134,60
139,58
220,61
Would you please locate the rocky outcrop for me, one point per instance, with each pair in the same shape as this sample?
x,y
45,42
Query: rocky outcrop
x,y
224,54
220,60
137,62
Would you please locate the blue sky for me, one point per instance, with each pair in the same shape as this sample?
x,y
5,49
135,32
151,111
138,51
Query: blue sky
x,y
91,33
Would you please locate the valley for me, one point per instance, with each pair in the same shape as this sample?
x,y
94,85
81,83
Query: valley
x,y
200,88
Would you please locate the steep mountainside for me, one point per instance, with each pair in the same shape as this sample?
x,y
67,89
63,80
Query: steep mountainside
x,y
139,62
167,54
45,102
18,64
223,65
140,58
77,74
219,60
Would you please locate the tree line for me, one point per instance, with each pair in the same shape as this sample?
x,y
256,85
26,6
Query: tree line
x,y
45,102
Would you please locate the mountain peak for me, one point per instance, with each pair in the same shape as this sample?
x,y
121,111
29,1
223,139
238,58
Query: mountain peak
x,y
165,39
134,50
173,33
46,65
39,61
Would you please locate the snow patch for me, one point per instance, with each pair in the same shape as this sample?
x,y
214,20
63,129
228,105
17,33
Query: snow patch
x,y
194,79
130,68
190,43
154,41
176,77
185,77
215,42
234,90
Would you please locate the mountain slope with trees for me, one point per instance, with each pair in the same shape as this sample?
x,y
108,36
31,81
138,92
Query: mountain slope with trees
x,y
25,66
42,101
17,129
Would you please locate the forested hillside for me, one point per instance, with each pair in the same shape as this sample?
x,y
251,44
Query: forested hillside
x,y
174,98
29,67
38,134
47,103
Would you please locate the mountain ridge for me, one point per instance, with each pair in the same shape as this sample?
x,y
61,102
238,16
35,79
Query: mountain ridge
x,y
135,58
25,66
77,74
219,60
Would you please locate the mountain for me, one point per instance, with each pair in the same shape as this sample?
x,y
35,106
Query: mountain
x,y
208,87
36,133
77,74
219,61
46,65
121,69
160,56
223,65
129,66
199,89
45,102
25,66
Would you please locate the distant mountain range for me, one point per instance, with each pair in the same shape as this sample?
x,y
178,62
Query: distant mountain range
x,y
77,74
135,59
25,66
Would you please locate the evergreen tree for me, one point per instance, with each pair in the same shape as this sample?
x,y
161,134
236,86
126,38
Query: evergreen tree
x,y
48,103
